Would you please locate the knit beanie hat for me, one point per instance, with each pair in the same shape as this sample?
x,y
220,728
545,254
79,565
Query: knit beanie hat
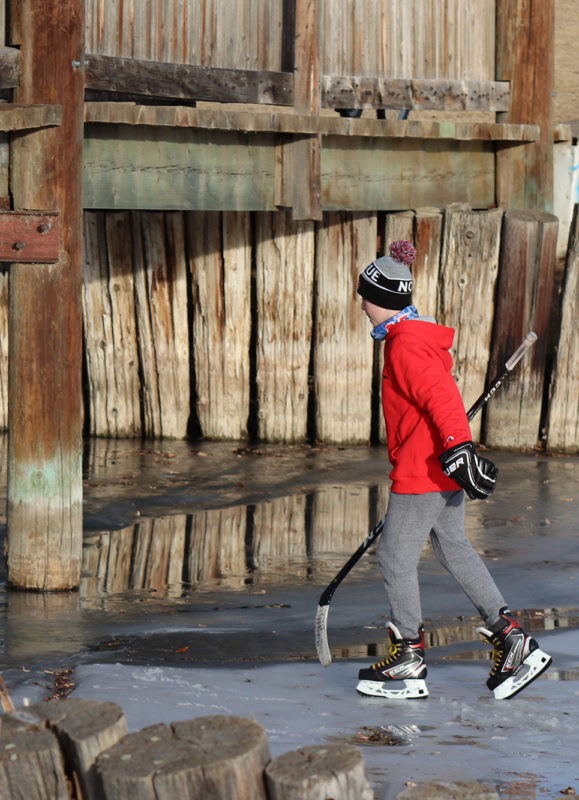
x,y
387,282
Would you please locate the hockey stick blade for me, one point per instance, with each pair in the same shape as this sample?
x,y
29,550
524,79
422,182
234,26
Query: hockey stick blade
x,y
322,646
321,623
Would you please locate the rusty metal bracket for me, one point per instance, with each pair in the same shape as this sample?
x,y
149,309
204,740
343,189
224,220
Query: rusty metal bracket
x,y
30,237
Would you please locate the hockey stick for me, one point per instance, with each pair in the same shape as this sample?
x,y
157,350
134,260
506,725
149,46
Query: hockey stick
x,y
321,624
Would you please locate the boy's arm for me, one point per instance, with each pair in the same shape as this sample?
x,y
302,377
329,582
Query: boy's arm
x,y
421,376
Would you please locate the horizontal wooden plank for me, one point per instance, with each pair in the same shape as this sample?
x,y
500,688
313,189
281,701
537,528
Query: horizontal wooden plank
x,y
361,174
343,91
19,117
173,168
9,67
157,79
255,122
29,237
128,167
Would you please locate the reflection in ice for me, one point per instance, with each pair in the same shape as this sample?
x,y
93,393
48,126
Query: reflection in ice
x,y
442,635
291,537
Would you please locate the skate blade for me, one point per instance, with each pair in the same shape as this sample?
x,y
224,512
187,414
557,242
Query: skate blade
x,y
534,665
408,690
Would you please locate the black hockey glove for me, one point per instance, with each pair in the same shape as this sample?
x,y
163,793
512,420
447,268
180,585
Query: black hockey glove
x,y
476,475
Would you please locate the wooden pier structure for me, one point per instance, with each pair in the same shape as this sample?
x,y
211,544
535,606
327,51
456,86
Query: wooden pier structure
x,y
188,194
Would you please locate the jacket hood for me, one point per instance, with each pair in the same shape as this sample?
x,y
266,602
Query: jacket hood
x,y
424,329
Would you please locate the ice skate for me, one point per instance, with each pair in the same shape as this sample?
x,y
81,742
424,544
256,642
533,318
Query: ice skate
x,y
401,674
516,659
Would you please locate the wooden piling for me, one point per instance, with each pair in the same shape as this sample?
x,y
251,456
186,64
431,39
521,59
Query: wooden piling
x,y
220,264
4,349
112,359
44,509
84,729
49,750
211,757
563,418
524,57
306,151
31,761
442,790
426,268
343,351
284,289
310,773
524,302
162,322
468,274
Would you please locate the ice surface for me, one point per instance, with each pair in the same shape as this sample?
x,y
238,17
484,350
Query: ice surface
x,y
239,640
525,745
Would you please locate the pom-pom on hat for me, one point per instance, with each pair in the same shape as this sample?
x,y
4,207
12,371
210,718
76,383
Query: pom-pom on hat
x,y
403,251
387,282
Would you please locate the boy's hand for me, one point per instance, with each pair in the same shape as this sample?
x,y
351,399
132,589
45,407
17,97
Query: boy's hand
x,y
476,475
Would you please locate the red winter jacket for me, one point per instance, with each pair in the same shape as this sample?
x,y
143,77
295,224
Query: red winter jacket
x,y
422,406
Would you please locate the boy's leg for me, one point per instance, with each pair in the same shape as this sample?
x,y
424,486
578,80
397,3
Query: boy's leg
x,y
458,556
408,521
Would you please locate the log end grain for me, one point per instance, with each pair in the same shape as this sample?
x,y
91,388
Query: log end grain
x,y
437,790
211,757
319,771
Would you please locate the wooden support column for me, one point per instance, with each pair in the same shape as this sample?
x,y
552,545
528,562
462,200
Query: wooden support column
x,y
306,186
524,56
524,302
44,512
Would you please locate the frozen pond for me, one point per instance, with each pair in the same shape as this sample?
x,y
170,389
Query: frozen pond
x,y
202,570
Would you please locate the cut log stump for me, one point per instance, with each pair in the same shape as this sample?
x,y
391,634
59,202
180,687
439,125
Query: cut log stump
x,y
212,757
319,772
82,729
436,790
31,765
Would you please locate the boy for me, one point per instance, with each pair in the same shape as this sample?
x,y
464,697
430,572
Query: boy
x,y
434,462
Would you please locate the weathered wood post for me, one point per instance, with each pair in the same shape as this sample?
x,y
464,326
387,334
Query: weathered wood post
x,y
306,186
524,301
44,511
310,773
563,423
54,741
524,57
213,757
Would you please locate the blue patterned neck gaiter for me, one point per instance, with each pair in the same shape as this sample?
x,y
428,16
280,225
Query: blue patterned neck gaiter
x,y
381,330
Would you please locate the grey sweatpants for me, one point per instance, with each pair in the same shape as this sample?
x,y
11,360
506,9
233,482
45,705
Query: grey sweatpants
x,y
408,521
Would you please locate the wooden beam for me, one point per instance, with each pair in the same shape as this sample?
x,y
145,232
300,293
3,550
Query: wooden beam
x,y
173,169
115,78
20,117
413,93
44,508
365,175
524,56
184,81
252,122
9,67
31,237
180,168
